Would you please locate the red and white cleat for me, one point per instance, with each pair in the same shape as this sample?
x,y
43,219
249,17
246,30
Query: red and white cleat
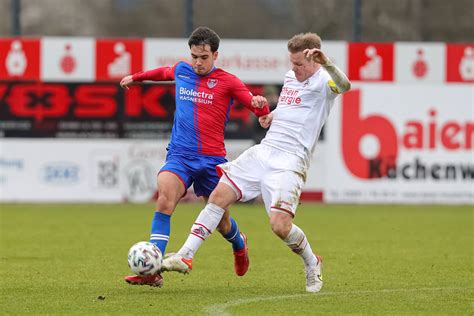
x,y
151,280
241,258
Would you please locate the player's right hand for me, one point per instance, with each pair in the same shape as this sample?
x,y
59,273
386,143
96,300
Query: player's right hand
x,y
317,55
266,120
126,81
258,101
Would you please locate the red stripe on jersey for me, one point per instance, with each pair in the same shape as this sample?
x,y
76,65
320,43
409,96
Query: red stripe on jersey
x,y
221,172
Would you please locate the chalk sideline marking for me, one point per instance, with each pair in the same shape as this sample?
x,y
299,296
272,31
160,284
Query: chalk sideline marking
x,y
220,309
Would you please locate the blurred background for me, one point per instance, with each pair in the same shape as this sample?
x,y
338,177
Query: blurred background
x,y
365,20
69,133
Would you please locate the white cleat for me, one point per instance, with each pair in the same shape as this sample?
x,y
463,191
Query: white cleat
x,y
314,276
176,262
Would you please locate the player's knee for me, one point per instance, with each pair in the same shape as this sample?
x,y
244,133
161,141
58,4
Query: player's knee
x,y
221,198
165,204
281,228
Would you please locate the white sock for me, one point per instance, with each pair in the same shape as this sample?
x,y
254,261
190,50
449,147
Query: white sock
x,y
205,224
299,244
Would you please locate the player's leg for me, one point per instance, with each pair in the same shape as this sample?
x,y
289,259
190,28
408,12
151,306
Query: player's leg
x,y
230,231
240,181
295,238
283,226
170,190
204,184
206,223
172,184
281,190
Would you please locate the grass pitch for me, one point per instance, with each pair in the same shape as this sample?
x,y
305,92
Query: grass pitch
x,y
71,259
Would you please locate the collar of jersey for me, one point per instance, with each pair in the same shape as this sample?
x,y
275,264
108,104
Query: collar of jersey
x,y
210,72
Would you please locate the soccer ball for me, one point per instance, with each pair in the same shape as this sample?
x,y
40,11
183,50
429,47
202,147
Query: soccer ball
x,y
144,258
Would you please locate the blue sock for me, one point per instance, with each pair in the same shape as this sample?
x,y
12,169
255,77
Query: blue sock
x,y
160,230
234,237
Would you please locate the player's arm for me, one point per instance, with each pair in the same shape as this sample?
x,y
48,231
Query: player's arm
x,y
340,83
255,103
157,74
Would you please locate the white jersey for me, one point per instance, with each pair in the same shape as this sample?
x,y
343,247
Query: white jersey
x,y
301,112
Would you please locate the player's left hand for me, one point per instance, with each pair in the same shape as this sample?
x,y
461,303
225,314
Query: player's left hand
x,y
126,81
266,120
258,101
317,55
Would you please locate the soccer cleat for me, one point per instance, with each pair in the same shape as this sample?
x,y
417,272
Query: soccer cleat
x,y
241,258
176,262
314,276
151,280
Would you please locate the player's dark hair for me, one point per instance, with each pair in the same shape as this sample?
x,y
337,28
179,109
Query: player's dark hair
x,y
302,41
204,36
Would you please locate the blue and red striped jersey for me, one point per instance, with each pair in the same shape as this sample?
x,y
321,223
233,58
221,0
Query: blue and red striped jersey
x,y
202,106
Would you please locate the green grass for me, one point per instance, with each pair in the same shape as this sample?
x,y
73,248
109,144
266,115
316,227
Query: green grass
x,y
58,259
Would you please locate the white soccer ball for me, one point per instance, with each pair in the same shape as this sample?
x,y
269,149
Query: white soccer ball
x,y
145,258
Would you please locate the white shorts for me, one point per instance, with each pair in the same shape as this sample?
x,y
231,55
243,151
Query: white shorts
x,y
278,175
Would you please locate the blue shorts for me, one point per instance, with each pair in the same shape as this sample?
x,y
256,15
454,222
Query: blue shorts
x,y
200,170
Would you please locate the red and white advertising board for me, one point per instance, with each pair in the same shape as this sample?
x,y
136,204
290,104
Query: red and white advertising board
x,y
419,63
403,134
460,63
253,61
371,62
116,58
69,59
82,59
401,143
19,59
164,52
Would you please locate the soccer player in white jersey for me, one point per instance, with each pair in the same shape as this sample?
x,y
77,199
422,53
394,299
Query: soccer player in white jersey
x,y
277,167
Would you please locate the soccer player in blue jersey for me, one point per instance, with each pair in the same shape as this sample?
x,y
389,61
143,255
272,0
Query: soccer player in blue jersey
x,y
204,95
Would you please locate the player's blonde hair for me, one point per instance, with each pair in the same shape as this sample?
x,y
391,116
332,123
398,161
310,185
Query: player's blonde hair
x,y
302,41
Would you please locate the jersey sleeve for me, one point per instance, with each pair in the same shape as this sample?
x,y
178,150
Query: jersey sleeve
x,y
337,81
157,74
243,95
331,89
